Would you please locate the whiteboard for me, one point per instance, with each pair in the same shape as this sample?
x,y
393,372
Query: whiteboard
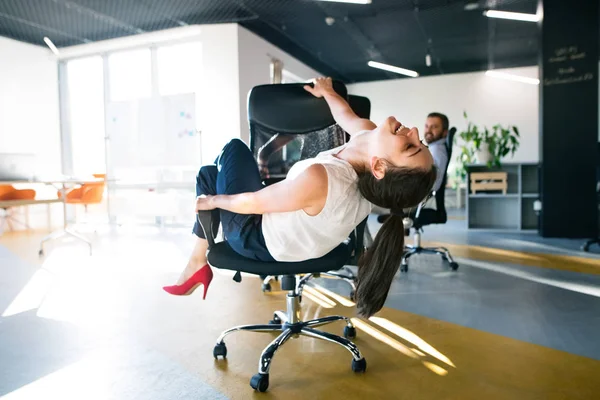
x,y
154,132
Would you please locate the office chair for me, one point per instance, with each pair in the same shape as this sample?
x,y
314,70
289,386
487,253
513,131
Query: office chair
x,y
426,216
586,245
8,192
86,194
284,108
300,145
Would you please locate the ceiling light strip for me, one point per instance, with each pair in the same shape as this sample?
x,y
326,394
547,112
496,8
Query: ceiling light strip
x,y
392,68
511,15
512,77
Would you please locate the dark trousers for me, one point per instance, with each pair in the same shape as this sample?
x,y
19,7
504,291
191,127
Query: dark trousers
x,y
235,171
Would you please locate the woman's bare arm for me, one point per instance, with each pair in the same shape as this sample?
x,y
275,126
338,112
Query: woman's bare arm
x,y
308,192
340,109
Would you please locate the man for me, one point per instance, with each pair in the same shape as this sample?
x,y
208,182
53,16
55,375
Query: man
x,y
436,130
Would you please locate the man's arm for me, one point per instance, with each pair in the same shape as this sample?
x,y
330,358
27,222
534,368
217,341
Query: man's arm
x,y
308,192
340,109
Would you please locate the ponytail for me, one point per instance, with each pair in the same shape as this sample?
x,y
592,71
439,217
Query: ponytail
x,y
399,188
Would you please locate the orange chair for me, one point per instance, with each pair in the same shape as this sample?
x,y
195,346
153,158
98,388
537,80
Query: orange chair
x,y
86,194
8,192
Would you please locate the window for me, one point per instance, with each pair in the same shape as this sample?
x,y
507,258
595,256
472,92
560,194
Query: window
x,y
130,75
179,68
86,110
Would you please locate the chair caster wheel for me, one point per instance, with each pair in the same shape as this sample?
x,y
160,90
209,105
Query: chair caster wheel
x,y
454,266
220,350
349,332
404,268
266,287
260,382
360,365
41,253
275,320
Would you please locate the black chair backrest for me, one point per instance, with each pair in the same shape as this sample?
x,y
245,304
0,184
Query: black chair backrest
x,y
289,110
360,105
440,201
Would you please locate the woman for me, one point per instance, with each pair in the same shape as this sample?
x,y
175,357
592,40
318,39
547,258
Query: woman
x,y
319,203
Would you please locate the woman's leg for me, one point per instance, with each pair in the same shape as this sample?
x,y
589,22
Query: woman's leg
x,y
238,173
206,183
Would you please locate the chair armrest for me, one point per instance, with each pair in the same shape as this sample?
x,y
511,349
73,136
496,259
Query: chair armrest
x,y
205,220
422,204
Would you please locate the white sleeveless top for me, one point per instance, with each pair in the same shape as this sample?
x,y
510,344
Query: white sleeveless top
x,y
297,236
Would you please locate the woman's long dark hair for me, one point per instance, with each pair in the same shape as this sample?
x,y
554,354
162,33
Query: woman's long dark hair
x,y
400,188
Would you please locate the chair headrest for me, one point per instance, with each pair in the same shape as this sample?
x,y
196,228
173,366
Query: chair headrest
x,y
451,134
289,108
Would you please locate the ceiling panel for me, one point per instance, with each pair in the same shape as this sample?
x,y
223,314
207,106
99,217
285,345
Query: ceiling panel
x,y
399,32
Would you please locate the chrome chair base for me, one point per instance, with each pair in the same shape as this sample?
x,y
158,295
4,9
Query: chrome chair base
x,y
290,326
344,274
417,249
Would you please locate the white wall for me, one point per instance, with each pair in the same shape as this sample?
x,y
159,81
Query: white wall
x,y
255,56
29,118
486,100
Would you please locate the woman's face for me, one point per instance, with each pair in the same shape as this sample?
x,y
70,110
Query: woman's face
x,y
399,145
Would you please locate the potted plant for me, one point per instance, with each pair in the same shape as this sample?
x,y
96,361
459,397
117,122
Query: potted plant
x,y
485,146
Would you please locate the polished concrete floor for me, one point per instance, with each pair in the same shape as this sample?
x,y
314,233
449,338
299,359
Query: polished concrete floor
x,y
516,321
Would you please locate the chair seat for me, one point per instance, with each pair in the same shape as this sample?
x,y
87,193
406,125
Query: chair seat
x,y
222,256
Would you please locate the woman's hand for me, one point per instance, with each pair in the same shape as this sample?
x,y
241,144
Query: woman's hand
x,y
322,86
263,169
204,202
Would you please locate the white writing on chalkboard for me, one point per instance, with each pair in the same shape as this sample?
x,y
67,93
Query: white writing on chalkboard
x,y
564,71
563,54
570,73
572,79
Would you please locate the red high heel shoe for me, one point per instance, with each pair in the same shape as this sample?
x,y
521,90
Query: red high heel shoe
x,y
202,277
